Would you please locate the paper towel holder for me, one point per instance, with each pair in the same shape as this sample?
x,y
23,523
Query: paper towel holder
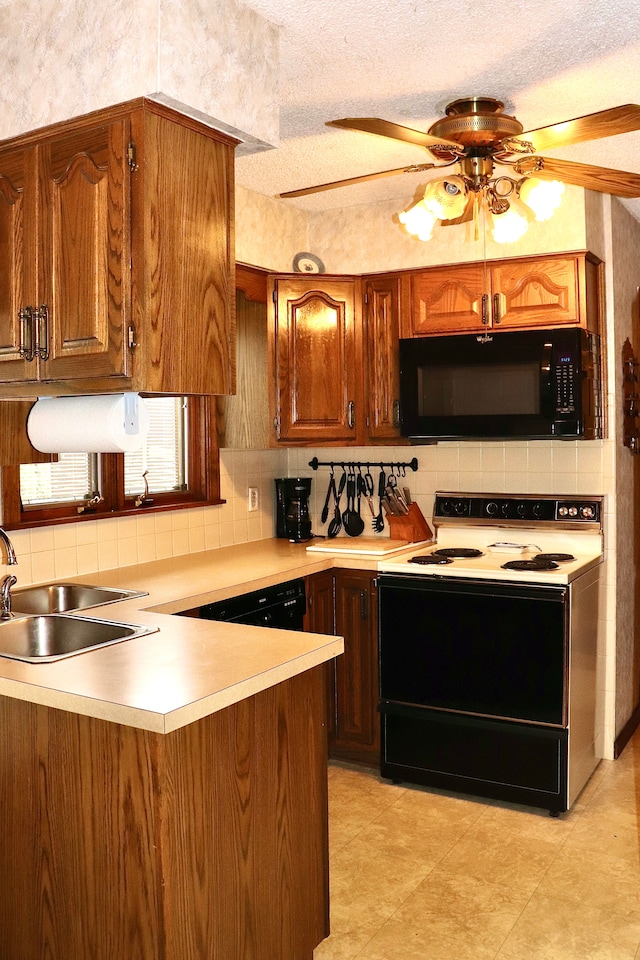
x,y
95,423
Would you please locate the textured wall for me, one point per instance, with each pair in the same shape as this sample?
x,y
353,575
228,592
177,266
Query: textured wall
x,y
369,238
626,276
64,60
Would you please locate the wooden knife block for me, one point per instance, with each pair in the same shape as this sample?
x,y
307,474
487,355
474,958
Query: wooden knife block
x,y
411,527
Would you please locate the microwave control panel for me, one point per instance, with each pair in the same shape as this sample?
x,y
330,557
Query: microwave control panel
x,y
565,382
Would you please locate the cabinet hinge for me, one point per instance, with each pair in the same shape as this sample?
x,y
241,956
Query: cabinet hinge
x,y
276,426
131,337
131,156
366,298
273,296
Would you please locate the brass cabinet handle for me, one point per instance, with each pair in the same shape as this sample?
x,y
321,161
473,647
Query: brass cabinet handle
x,y
25,326
396,413
351,414
41,322
496,308
485,303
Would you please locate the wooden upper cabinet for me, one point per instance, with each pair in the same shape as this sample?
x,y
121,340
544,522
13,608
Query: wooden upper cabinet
x,y
546,291
83,254
381,334
317,366
116,267
183,265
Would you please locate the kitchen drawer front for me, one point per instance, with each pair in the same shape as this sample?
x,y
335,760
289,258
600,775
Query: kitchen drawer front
x,y
518,762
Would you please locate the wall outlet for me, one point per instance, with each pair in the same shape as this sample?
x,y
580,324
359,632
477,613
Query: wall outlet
x,y
253,499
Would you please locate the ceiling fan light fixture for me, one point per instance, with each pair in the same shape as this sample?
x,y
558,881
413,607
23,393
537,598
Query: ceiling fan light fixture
x,y
543,197
509,226
446,198
418,220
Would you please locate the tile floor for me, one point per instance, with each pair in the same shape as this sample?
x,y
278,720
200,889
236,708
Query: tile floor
x,y
419,874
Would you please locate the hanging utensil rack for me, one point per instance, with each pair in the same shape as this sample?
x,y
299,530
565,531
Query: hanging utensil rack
x,y
349,465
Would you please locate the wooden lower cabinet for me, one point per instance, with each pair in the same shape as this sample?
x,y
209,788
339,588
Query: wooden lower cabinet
x,y
208,842
351,611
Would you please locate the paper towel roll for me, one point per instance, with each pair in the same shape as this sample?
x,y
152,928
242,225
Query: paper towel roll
x,y
113,423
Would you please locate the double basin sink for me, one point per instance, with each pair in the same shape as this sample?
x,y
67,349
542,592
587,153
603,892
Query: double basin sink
x,y
43,628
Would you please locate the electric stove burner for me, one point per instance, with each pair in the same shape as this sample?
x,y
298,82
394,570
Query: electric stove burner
x,y
425,558
556,557
535,564
467,552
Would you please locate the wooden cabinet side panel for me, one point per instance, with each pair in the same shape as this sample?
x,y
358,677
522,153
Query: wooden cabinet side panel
x,y
14,442
83,240
292,855
208,837
381,334
183,269
243,418
245,855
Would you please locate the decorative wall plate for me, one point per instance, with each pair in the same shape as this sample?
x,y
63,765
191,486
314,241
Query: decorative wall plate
x,y
307,263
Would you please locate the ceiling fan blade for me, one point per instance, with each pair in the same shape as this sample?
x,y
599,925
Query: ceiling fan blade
x,y
602,179
416,168
385,128
605,123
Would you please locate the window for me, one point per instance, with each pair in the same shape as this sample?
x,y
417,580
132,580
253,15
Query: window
x,y
178,466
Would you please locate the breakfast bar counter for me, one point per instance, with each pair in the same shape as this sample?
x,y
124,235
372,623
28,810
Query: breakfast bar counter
x,y
165,797
189,668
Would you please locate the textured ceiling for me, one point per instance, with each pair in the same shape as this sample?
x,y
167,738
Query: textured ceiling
x,y
547,61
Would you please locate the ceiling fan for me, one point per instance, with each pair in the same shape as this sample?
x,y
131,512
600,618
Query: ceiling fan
x,y
476,135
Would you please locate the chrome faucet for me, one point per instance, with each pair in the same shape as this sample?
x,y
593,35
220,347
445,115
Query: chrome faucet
x,y
9,580
5,596
8,546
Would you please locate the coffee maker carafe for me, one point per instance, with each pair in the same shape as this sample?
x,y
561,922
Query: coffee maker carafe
x,y
292,509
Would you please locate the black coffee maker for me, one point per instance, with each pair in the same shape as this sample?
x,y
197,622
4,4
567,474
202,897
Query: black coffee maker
x,y
292,509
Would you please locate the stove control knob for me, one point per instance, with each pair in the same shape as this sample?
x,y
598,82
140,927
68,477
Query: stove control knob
x,y
563,511
460,507
445,507
587,512
573,511
521,509
504,508
537,509
492,508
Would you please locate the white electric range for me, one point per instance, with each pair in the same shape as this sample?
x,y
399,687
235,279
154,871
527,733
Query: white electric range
x,y
488,672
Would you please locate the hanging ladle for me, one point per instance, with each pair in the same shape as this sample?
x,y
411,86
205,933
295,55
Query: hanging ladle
x,y
351,519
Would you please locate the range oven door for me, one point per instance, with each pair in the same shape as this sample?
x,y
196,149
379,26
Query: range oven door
x,y
473,686
483,647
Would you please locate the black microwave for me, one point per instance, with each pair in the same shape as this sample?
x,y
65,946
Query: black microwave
x,y
526,384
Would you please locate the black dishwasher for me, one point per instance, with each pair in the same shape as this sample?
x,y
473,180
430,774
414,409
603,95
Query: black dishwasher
x,y
282,606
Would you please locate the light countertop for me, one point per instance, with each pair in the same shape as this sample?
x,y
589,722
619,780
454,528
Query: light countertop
x,y
190,668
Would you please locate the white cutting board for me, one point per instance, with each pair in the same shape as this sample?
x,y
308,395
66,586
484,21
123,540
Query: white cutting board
x,y
371,546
